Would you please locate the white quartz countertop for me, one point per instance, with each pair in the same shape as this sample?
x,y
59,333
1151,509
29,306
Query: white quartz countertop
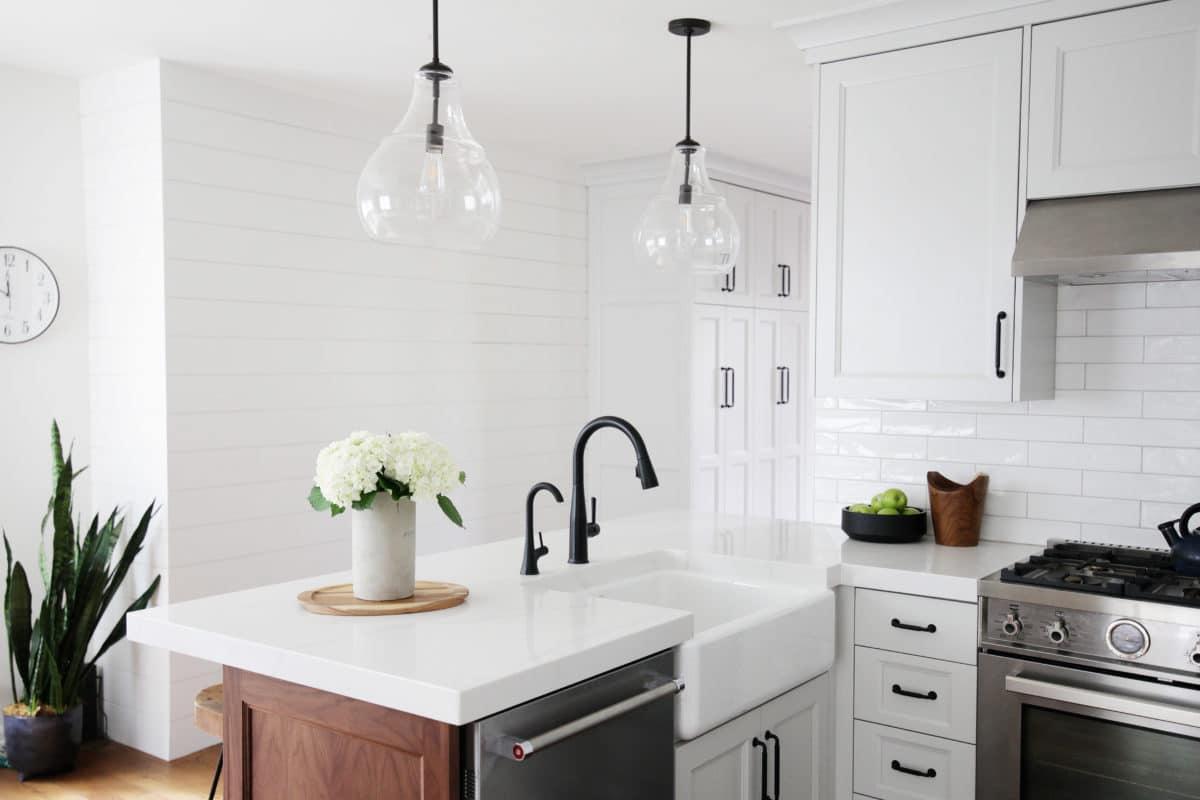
x,y
514,639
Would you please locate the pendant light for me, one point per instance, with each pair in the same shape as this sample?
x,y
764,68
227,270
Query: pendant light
x,y
429,182
688,225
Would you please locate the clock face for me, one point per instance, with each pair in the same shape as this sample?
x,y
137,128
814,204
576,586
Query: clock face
x,y
28,296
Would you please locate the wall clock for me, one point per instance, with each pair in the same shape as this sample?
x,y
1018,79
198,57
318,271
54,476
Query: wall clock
x,y
28,295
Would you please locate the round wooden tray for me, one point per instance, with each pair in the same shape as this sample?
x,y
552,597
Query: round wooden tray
x,y
340,601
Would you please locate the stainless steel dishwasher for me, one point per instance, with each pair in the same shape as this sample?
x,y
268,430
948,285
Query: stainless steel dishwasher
x,y
611,736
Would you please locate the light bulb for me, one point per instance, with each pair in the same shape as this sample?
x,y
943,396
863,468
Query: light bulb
x,y
688,225
430,183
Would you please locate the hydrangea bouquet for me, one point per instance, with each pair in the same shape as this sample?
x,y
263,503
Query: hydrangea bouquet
x,y
352,471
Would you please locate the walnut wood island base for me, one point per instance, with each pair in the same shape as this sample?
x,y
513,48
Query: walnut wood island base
x,y
289,742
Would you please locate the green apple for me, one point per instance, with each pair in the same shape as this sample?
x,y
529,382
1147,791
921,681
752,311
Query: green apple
x,y
877,502
893,498
888,512
862,508
910,511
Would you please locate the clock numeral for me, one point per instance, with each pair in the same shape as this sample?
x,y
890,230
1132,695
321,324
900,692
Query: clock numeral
x,y
10,259
41,281
7,329
24,327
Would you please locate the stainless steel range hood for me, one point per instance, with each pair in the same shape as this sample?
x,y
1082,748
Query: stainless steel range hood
x,y
1115,238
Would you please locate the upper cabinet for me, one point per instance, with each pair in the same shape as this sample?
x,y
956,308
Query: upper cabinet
x,y
917,205
1114,101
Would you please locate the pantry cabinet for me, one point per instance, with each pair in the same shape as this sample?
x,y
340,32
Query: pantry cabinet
x,y
916,221
782,749
1114,101
712,371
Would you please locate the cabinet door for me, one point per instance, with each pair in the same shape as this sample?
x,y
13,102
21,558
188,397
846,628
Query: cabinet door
x,y
707,399
779,227
735,288
916,221
720,765
791,414
1114,102
737,337
797,726
768,380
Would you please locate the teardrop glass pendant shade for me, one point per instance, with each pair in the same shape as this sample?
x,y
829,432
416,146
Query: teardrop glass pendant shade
x,y
688,225
430,182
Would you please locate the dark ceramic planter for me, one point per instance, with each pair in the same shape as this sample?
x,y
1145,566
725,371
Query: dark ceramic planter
x,y
43,745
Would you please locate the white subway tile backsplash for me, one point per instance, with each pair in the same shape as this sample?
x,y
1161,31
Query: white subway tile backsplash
x,y
1171,405
905,471
1041,428
825,489
1173,293
978,407
1104,511
979,451
853,404
863,469
1035,479
1171,461
1127,536
825,443
1136,486
1148,377
1072,323
1099,349
929,424
1143,322
1153,514
1068,376
1026,530
1148,432
1112,458
1173,349
849,421
1112,295
881,446
1072,403
1007,504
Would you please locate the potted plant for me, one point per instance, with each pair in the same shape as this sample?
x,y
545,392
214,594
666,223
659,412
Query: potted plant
x,y
378,477
43,728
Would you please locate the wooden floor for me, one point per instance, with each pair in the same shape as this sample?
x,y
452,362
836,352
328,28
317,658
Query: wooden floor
x,y
108,771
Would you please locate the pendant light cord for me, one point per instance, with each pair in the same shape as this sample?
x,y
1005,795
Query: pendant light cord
x,y
687,107
437,72
436,59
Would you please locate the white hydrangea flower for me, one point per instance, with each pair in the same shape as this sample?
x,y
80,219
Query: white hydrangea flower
x,y
421,463
349,468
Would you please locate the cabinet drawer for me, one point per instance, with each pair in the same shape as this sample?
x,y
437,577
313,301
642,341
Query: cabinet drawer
x,y
923,626
944,703
946,769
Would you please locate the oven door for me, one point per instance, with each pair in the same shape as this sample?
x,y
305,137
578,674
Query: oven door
x,y
1047,731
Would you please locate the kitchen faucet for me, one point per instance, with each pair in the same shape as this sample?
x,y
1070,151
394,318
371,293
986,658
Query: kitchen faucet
x,y
581,529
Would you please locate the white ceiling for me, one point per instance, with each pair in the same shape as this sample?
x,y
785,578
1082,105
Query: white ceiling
x,y
579,79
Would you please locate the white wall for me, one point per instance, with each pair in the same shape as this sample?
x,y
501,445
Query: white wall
x,y
41,209
284,327
1114,454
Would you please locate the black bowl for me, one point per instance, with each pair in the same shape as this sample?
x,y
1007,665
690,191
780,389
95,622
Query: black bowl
x,y
885,529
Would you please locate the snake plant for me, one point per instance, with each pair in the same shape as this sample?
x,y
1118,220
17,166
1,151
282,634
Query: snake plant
x,y
50,653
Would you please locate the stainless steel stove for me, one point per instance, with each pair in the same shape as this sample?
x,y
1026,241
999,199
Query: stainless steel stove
x,y
1089,677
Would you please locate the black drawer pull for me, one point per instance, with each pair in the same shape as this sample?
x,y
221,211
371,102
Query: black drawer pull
x,y
928,773
725,387
931,695
999,319
757,743
730,284
931,628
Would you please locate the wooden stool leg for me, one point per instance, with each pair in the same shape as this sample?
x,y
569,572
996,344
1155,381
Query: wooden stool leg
x,y
212,793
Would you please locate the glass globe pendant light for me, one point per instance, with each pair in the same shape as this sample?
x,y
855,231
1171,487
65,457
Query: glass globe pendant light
x,y
429,182
688,224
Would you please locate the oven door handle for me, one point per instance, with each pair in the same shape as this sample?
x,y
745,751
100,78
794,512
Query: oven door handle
x,y
1107,701
518,749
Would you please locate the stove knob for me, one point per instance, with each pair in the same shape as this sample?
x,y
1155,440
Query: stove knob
x,y
1011,625
1057,632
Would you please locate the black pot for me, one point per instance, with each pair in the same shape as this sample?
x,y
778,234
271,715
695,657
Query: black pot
x,y
43,745
885,529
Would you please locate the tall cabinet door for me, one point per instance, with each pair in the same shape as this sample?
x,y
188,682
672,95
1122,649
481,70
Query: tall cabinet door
x,y
780,230
790,402
709,388
737,338
768,380
916,221
1114,101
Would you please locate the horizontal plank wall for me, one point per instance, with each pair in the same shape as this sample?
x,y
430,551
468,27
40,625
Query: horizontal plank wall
x,y
1116,452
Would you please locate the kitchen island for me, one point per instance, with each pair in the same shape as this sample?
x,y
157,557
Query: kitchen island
x,y
383,698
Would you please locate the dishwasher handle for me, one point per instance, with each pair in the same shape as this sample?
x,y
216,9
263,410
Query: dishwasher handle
x,y
518,749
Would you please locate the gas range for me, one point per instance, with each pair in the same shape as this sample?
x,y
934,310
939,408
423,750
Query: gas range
x,y
1120,608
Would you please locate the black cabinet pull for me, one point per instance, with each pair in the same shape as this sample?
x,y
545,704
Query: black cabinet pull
x,y
725,387
999,319
930,695
783,280
773,739
730,280
931,628
927,773
732,387
785,386
757,742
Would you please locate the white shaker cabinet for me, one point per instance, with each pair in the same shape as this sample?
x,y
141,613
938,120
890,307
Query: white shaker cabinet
x,y
916,221
1114,101
782,749
779,259
735,288
778,371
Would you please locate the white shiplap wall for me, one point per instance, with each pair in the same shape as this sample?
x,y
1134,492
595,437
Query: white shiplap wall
x,y
285,327
1116,452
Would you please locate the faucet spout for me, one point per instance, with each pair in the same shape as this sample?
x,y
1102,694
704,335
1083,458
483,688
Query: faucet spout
x,y
580,528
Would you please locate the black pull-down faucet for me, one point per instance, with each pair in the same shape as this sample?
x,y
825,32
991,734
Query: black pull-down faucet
x,y
580,528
